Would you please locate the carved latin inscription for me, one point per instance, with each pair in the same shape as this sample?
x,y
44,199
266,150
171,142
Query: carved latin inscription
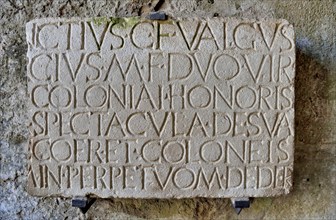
x,y
181,108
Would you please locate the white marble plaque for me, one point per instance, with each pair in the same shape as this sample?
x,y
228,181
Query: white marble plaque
x,y
127,107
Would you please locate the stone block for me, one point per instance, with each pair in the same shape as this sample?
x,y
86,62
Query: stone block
x,y
135,108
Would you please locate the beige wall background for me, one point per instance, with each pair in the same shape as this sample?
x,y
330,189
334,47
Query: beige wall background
x,y
313,196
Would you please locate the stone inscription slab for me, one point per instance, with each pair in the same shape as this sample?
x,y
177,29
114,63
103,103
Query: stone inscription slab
x,y
127,107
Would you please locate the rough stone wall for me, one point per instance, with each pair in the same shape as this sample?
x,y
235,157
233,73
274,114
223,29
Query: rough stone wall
x,y
313,196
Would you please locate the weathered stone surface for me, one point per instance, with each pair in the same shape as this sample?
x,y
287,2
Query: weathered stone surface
x,y
313,194
126,107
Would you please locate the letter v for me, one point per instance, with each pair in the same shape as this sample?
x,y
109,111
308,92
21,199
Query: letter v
x,y
163,124
73,73
164,185
102,37
192,41
263,33
274,128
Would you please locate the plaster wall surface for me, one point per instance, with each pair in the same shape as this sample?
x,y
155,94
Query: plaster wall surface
x,y
313,195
